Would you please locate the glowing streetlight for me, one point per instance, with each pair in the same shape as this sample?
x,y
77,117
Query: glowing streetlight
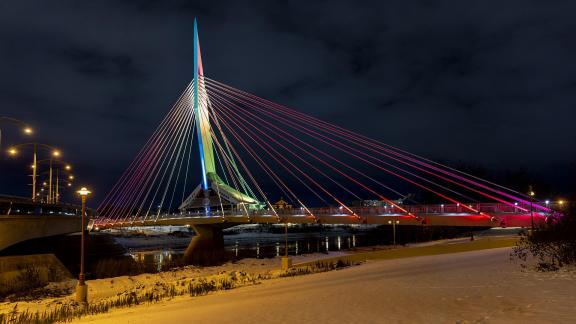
x,y
68,167
25,128
56,153
71,177
12,151
82,288
84,192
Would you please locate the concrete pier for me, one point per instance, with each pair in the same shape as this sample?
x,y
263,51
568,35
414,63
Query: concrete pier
x,y
207,246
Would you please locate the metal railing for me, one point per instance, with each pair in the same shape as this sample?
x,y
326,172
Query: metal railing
x,y
430,209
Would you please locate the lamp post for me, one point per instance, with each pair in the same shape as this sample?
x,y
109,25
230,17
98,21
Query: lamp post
x,y
13,151
55,154
34,173
60,166
50,184
394,222
286,261
82,288
531,193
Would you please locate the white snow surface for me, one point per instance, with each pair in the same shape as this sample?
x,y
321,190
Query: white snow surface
x,y
481,286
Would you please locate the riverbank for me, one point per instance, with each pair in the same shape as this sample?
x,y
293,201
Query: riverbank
x,y
474,286
121,291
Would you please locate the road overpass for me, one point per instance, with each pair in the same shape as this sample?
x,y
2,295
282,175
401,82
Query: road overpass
x,y
22,220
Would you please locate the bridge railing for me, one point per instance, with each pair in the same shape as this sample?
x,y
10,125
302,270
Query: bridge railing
x,y
429,209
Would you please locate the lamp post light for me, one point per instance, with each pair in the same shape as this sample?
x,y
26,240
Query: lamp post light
x,y
82,288
393,223
25,128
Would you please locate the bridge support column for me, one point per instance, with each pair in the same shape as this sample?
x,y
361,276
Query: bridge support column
x,y
207,246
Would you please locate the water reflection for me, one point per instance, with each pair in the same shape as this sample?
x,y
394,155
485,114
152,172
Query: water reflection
x,y
263,246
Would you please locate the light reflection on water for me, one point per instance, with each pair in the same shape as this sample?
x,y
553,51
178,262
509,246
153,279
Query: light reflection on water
x,y
238,249
157,258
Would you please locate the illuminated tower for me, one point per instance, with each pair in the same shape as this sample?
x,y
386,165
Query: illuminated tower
x,y
212,192
202,115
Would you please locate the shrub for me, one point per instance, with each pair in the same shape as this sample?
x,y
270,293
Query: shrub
x,y
553,246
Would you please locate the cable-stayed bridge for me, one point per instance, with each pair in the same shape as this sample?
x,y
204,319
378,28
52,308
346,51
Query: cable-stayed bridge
x,y
242,148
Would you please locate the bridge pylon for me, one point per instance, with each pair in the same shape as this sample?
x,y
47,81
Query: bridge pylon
x,y
213,195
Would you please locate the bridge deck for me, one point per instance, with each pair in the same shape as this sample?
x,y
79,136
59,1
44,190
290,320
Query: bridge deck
x,y
448,219
486,215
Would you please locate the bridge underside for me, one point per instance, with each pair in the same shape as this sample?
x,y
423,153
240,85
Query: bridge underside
x,y
208,245
19,228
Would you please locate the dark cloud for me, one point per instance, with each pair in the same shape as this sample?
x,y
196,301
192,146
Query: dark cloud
x,y
485,82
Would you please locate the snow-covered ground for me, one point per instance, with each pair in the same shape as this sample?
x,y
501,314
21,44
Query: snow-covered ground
x,y
479,286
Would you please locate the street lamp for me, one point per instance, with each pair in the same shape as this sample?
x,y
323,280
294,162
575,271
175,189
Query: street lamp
x,y
531,193
60,166
25,128
82,288
394,222
13,151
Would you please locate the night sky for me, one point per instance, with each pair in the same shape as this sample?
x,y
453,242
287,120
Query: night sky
x,y
485,83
